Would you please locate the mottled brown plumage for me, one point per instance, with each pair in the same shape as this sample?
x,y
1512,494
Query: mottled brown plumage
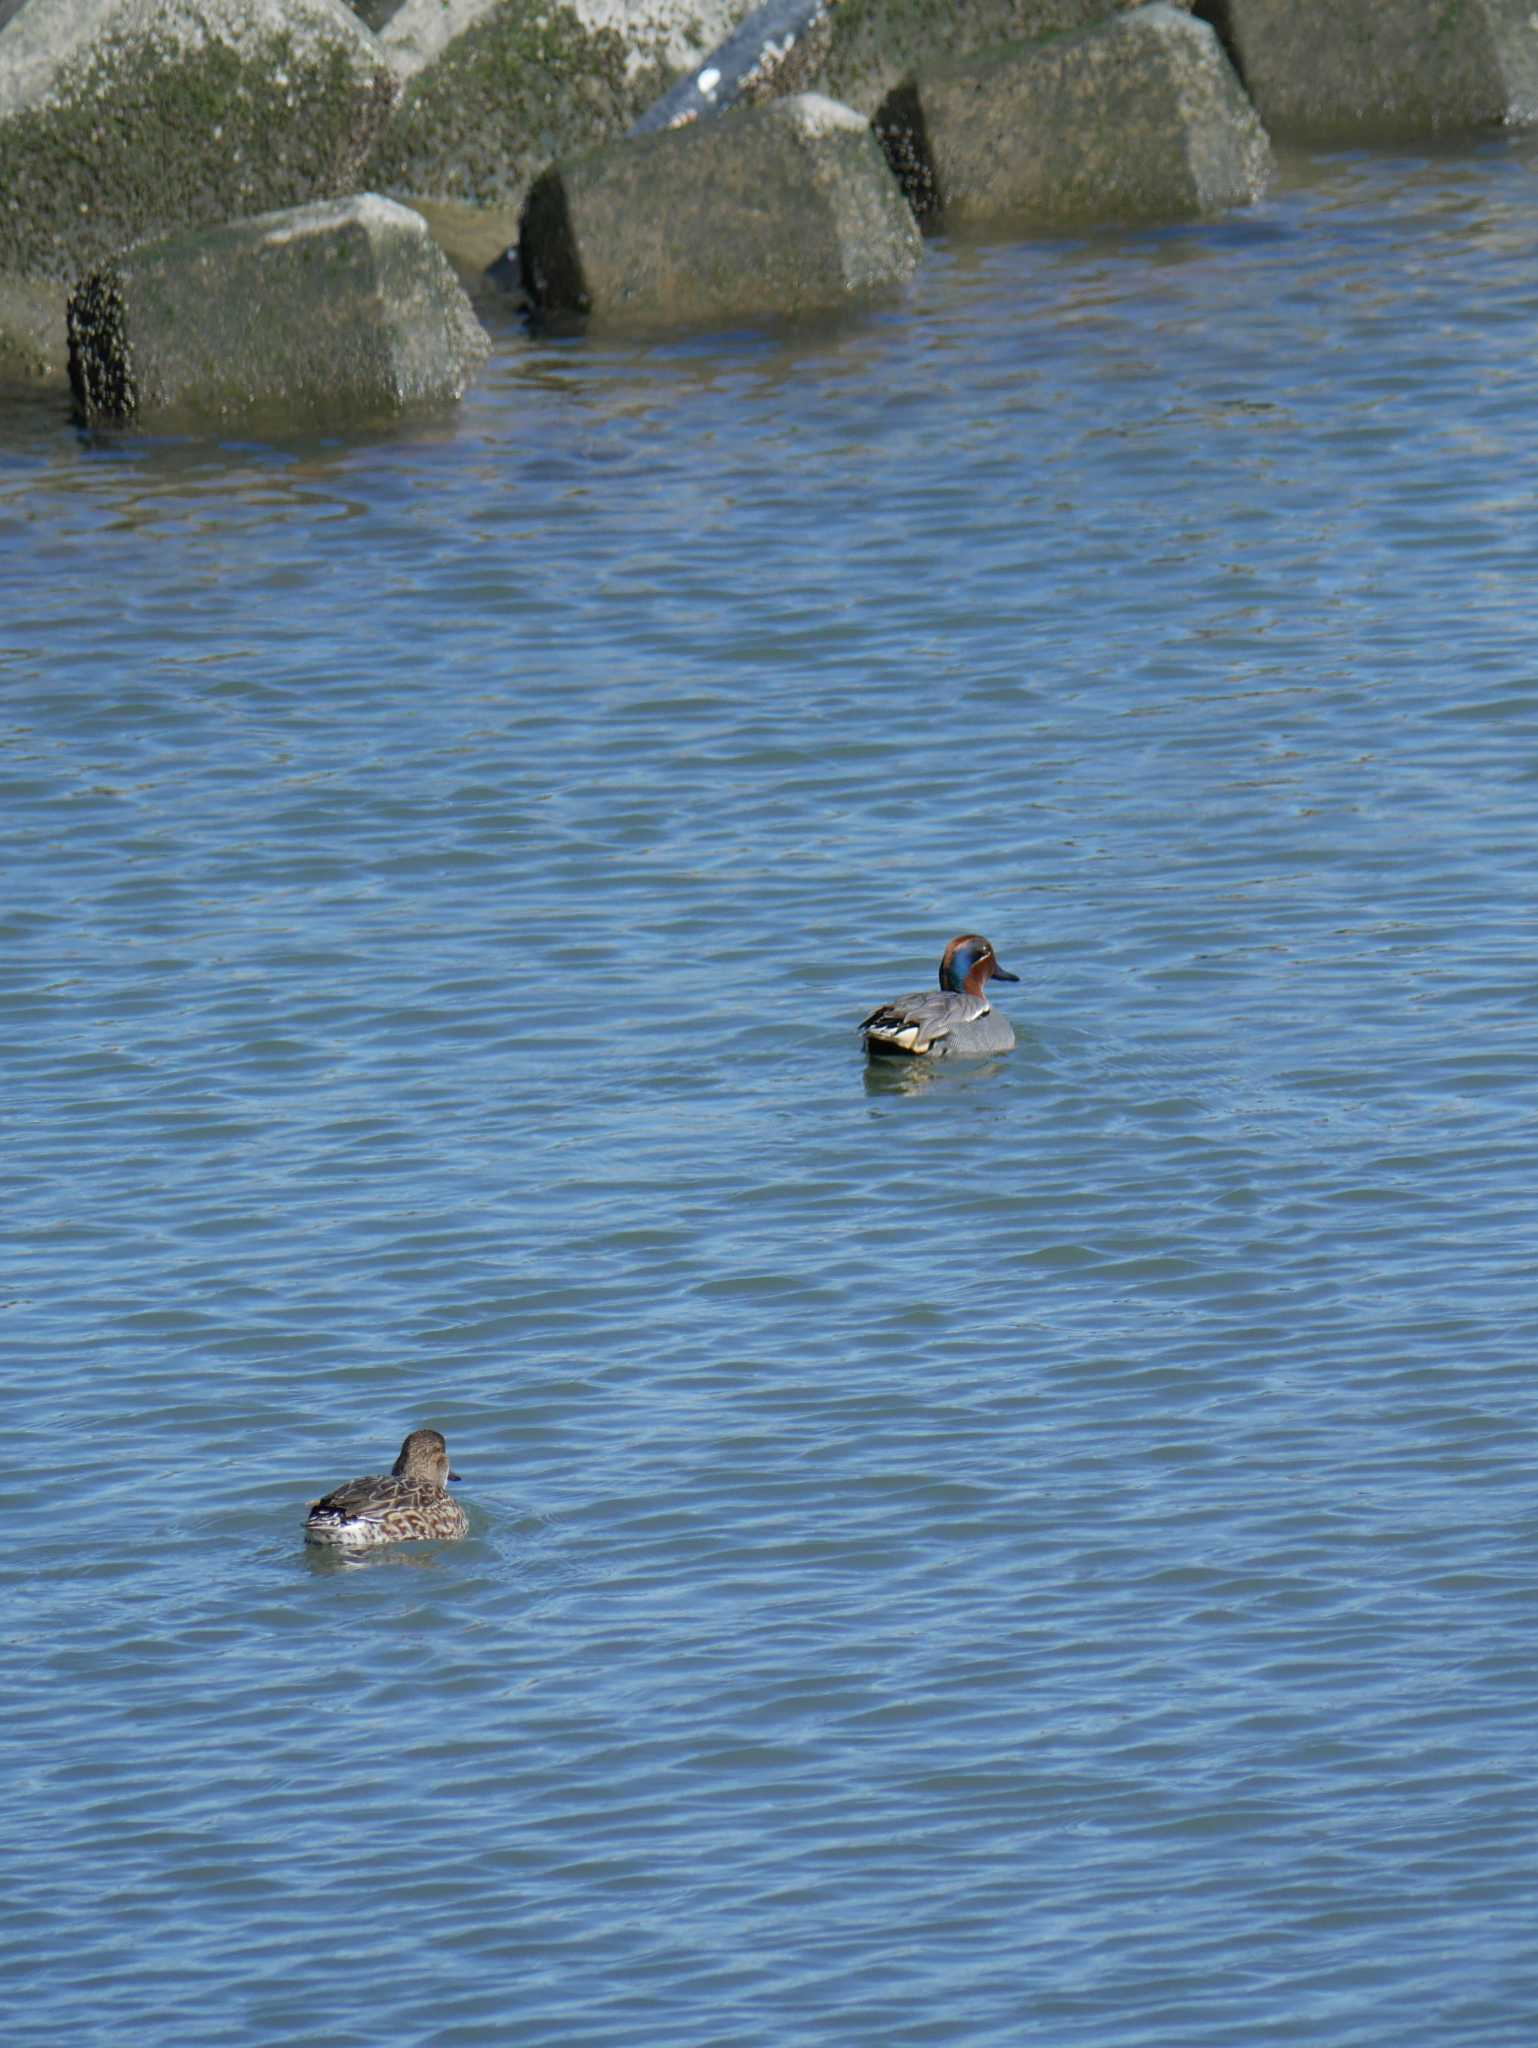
x,y
410,1504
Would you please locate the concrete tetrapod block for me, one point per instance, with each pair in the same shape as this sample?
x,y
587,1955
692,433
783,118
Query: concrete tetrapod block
x,y
871,46
341,311
121,119
1369,70
1139,119
784,208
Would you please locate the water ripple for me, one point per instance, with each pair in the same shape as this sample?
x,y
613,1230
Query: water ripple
x,y
1036,1553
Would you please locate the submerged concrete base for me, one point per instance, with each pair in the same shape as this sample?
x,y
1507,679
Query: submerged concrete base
x,y
785,208
1380,70
1139,119
320,314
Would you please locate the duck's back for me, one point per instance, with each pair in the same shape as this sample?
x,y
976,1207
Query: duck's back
x,y
384,1509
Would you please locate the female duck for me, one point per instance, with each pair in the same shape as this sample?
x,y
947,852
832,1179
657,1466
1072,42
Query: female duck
x,y
956,1018
412,1505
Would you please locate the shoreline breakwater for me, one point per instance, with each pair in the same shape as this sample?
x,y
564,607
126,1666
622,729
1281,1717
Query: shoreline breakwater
x,y
271,210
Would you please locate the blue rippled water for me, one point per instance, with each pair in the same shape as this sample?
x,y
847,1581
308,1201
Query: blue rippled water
x,y
1039,1553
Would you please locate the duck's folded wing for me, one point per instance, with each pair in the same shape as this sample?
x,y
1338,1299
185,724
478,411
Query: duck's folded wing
x,y
914,1023
348,1498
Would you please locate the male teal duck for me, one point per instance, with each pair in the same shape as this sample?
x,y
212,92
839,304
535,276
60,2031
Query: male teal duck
x,y
957,1018
410,1505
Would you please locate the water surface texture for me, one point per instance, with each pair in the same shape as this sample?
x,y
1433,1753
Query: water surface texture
x,y
1039,1553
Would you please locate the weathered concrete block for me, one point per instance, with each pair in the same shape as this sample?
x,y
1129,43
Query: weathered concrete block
x,y
1139,119
34,344
344,309
785,208
493,90
1365,69
126,118
872,45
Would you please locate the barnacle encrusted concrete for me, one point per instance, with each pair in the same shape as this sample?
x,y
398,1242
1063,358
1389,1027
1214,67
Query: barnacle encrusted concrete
x,y
784,208
493,90
1138,119
125,118
341,311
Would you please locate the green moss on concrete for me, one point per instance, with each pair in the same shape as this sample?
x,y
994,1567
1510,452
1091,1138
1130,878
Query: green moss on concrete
x,y
523,86
149,135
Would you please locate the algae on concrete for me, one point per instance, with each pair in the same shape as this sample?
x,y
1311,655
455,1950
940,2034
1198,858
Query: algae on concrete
x,y
126,118
524,82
